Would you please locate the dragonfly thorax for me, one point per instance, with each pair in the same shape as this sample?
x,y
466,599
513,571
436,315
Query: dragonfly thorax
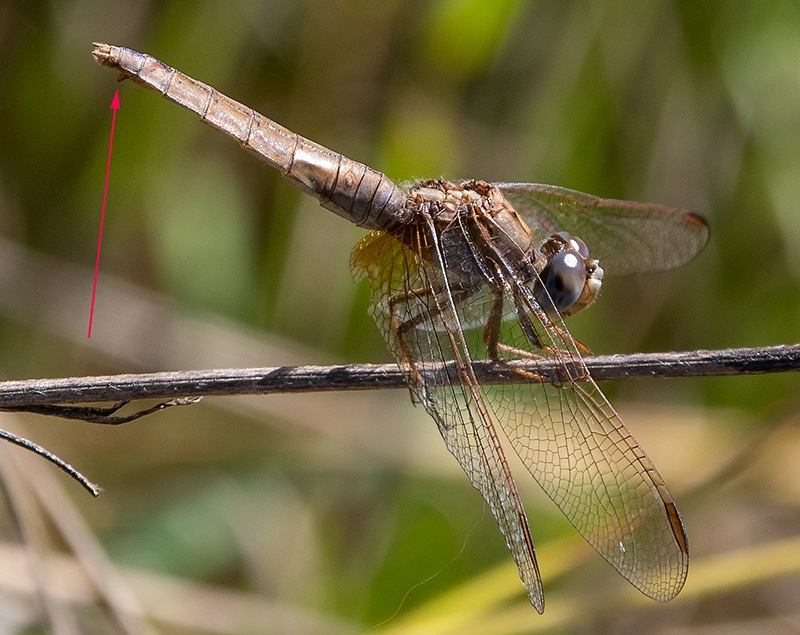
x,y
483,240
471,204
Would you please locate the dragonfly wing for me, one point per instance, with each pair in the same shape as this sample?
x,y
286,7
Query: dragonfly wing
x,y
585,459
625,236
579,451
568,435
404,292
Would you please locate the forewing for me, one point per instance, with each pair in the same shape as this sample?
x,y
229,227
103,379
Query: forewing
x,y
625,236
408,290
579,451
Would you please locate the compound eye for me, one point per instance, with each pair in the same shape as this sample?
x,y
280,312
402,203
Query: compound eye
x,y
576,244
564,281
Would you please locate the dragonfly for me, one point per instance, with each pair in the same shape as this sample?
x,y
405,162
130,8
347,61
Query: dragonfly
x,y
465,272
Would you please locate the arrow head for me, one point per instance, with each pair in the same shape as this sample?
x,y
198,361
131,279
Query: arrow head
x,y
115,101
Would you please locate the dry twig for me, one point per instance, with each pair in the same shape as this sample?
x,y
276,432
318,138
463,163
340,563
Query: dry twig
x,y
60,397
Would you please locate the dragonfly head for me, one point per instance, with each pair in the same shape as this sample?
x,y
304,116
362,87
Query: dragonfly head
x,y
571,279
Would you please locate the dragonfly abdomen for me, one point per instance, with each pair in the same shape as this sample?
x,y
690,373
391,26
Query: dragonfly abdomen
x,y
348,188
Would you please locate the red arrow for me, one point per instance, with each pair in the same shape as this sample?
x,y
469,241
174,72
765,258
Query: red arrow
x,y
115,108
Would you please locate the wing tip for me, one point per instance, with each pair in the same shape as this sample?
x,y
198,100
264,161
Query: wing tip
x,y
698,221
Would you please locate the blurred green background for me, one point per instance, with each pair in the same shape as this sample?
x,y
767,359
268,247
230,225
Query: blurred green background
x,y
335,513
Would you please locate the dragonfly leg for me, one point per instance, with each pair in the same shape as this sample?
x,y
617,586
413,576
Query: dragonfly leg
x,y
400,328
580,345
491,337
403,327
535,340
491,334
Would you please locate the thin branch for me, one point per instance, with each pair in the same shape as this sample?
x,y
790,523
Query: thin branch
x,y
37,394
107,415
93,489
59,397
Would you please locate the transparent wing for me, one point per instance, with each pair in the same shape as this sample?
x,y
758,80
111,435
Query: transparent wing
x,y
625,236
568,436
577,448
582,455
408,291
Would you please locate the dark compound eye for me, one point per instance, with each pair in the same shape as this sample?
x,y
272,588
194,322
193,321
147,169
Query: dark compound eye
x,y
564,280
576,244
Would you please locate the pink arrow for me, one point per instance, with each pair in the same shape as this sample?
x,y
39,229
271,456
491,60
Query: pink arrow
x,y
115,108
